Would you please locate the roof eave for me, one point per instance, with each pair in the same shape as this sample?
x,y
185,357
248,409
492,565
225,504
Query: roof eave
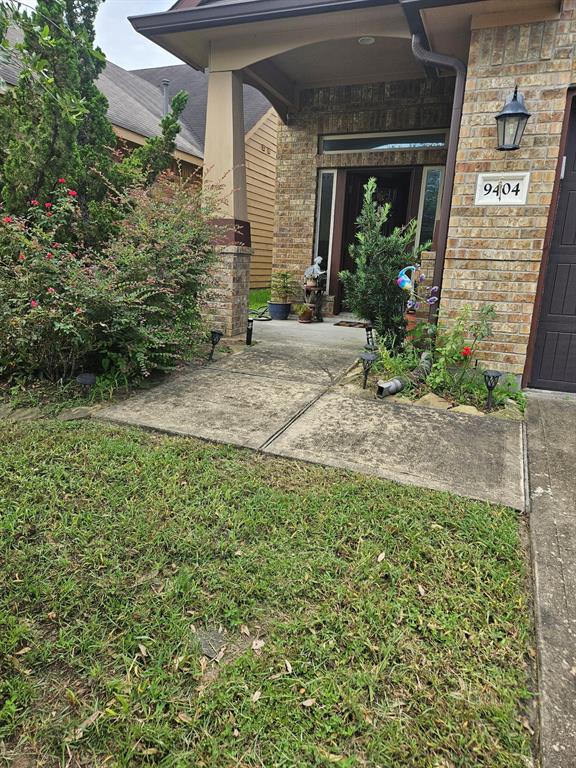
x,y
204,17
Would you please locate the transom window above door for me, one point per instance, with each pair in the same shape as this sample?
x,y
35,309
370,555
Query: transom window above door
x,y
383,142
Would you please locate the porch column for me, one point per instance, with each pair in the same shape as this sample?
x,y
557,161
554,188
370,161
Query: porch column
x,y
224,169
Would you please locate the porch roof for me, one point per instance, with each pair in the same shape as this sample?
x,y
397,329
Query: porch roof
x,y
284,46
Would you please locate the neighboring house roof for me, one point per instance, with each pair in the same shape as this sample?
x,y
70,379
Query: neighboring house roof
x,y
136,105
133,103
195,83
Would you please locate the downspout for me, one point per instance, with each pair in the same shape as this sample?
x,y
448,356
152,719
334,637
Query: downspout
x,y
448,62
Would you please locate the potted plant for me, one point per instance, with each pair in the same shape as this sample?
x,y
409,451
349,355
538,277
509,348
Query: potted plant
x,y
305,312
283,288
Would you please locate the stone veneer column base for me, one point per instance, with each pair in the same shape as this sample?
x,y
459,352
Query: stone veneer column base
x,y
227,306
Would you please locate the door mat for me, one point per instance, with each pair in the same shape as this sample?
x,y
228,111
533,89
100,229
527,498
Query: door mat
x,y
352,324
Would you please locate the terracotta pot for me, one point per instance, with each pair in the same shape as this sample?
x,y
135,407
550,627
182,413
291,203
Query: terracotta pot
x,y
306,317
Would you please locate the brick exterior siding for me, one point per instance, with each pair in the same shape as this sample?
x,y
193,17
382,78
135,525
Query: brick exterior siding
x,y
406,105
494,254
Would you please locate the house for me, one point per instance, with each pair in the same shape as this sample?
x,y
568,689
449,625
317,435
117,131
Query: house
x,y
137,102
407,91
260,134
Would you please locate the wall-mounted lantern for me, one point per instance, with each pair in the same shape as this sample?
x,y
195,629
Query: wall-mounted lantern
x,y
511,122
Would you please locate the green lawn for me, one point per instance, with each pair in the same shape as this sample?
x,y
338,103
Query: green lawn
x,y
258,297
388,626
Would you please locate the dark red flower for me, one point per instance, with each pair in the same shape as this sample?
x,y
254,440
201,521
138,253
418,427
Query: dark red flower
x,y
49,213
33,303
467,351
48,206
34,202
61,181
72,192
49,255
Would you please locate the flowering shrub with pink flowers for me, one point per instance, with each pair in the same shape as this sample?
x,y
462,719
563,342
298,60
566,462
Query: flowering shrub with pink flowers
x,y
126,309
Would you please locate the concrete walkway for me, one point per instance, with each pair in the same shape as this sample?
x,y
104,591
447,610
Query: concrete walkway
x,y
552,473
282,397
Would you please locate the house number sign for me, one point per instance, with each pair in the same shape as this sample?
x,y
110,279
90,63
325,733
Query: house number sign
x,y
502,188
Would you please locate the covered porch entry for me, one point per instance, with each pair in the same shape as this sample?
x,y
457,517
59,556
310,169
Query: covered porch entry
x,y
354,101
412,192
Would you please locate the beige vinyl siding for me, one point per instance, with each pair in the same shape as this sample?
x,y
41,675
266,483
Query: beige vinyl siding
x,y
261,193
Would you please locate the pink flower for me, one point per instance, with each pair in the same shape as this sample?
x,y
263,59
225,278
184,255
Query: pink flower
x,y
49,213
7,220
61,181
49,255
48,206
21,257
466,352
72,192
50,290
33,303
34,202
77,311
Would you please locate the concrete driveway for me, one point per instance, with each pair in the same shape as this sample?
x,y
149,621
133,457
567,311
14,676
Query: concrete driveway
x,y
552,471
279,396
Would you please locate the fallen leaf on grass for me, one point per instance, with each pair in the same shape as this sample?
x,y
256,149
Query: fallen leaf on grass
x,y
184,718
244,630
309,703
421,590
381,556
235,733
288,667
143,650
257,645
79,732
22,651
255,696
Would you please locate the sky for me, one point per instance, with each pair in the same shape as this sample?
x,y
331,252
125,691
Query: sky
x,y
121,44
117,38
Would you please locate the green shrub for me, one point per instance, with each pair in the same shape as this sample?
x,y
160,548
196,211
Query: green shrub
x,y
371,291
456,346
126,310
284,287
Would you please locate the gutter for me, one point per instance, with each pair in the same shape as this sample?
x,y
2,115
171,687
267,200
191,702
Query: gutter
x,y
245,12
446,62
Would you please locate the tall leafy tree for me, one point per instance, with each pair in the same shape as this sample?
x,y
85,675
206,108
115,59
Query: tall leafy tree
x,y
55,118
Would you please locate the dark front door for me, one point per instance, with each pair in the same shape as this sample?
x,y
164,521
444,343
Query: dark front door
x,y
555,350
392,187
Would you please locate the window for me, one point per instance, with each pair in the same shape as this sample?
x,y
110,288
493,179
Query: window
x,y
432,181
383,142
324,216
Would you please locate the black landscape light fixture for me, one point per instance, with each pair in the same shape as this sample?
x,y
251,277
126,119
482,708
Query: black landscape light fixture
x,y
511,122
249,331
215,337
491,379
368,360
86,380
370,343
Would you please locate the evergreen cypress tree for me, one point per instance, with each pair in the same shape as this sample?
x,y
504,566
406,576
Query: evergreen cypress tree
x,y
54,124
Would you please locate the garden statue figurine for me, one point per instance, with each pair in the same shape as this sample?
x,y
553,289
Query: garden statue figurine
x,y
418,293
314,270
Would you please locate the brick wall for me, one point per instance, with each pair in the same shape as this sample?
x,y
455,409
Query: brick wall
x,y
398,106
494,254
